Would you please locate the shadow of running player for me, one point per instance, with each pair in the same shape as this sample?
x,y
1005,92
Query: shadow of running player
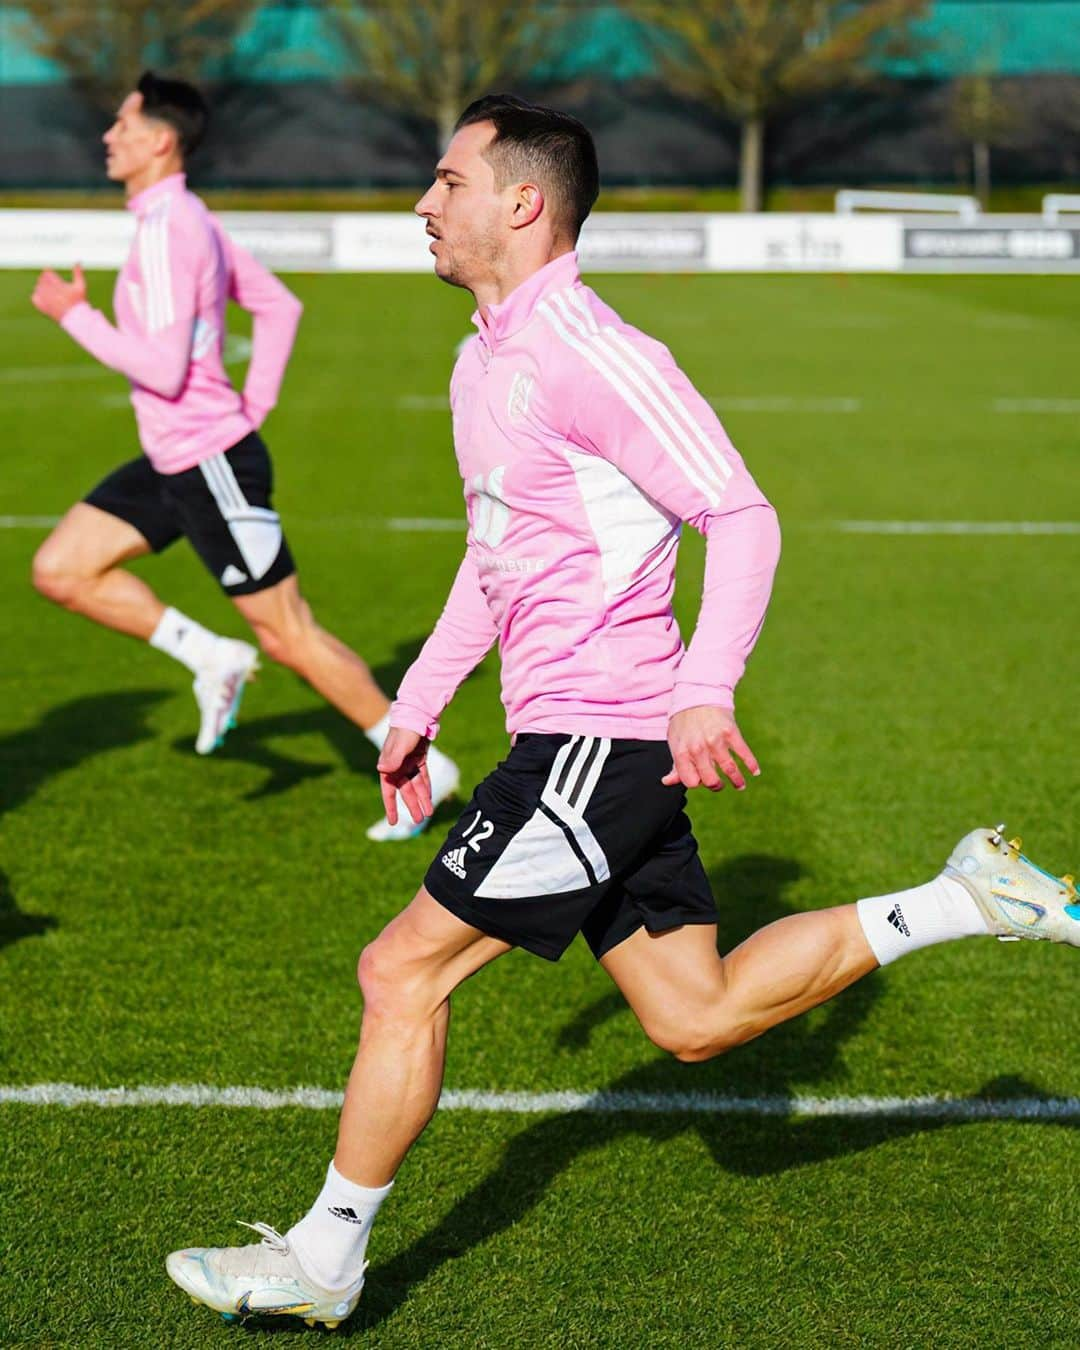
x,y
250,741
806,1050
67,735
14,924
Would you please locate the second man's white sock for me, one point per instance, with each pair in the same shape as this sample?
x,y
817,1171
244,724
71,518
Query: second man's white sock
x,y
379,732
940,911
332,1237
184,640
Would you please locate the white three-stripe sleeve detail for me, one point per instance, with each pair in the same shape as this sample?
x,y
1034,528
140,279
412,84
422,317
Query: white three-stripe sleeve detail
x,y
157,272
157,281
601,361
148,288
655,388
168,308
710,456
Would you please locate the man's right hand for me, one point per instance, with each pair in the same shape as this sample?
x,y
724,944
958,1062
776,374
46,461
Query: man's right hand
x,y
54,296
403,768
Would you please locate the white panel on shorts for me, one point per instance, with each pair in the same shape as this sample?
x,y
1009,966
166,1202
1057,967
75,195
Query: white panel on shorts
x,y
539,860
258,537
256,530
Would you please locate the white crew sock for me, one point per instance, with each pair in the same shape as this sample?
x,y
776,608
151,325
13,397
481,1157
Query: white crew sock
x,y
184,640
937,912
331,1238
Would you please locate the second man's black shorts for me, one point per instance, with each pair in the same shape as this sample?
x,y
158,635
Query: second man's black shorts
x,y
223,507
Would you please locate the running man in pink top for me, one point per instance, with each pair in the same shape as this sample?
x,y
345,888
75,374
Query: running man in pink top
x,y
205,473
583,448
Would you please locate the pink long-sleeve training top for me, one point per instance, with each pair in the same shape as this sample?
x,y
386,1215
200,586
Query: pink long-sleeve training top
x,y
170,300
583,447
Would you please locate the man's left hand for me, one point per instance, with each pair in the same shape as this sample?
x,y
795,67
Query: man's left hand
x,y
704,740
54,296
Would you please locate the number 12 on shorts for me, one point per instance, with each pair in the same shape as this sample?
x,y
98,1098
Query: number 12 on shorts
x,y
485,832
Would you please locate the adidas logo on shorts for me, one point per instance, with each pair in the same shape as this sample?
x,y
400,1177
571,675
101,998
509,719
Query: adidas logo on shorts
x,y
455,861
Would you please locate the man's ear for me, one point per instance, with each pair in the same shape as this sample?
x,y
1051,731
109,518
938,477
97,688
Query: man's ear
x,y
166,140
528,204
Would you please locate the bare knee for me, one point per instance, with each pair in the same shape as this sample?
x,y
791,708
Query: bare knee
x,y
53,580
286,638
283,644
386,989
693,1039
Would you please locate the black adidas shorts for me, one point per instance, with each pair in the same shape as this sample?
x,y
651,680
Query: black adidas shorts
x,y
574,834
222,506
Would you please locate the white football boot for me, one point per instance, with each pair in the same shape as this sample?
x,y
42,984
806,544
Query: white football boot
x,y
263,1279
445,780
219,687
1016,898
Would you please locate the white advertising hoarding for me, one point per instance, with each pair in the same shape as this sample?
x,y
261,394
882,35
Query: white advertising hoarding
x,y
804,243
64,238
611,242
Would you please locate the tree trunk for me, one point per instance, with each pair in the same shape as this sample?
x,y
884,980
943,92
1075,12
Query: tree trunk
x,y
752,164
980,160
447,113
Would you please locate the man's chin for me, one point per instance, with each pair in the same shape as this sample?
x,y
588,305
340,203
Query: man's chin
x,y
444,270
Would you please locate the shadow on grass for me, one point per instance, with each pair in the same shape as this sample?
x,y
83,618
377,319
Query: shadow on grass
x,y
69,734
14,924
249,742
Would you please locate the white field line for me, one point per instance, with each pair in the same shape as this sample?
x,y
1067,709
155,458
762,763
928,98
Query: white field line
x,y
424,403
426,524
1036,405
28,522
781,403
982,527
931,1107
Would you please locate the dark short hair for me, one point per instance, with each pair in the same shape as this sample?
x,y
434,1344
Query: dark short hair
x,y
552,146
178,104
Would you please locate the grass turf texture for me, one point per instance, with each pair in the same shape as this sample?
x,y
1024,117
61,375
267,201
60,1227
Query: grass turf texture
x,y
165,918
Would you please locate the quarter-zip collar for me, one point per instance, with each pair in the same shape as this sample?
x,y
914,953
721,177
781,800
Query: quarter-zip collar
x,y
509,316
144,200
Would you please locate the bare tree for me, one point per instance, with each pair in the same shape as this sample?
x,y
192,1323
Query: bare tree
x,y
433,57
750,58
102,47
984,112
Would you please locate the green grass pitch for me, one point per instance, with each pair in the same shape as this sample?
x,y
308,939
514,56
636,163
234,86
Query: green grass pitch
x,y
170,919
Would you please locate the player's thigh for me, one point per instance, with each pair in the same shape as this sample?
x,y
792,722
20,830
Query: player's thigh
x,y
673,980
88,541
424,954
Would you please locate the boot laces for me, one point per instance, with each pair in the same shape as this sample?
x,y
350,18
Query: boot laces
x,y
270,1237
